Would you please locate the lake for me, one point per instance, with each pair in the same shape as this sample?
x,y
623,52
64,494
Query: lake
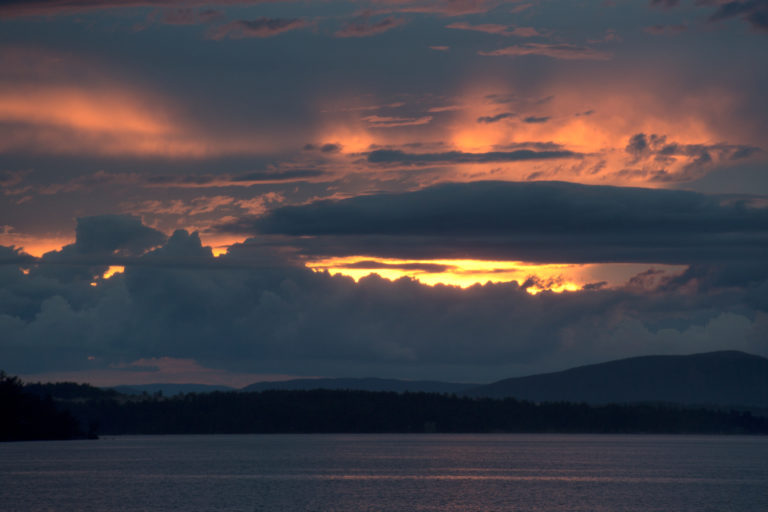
x,y
388,473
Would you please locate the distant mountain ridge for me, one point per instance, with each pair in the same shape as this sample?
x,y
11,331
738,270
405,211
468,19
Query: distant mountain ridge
x,y
723,379
727,378
363,384
169,389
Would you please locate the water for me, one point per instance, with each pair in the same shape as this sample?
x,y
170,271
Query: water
x,y
387,473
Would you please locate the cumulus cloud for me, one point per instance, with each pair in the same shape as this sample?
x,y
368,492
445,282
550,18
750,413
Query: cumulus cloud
x,y
282,318
537,221
115,234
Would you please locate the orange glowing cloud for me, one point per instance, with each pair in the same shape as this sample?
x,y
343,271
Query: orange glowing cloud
x,y
34,245
65,119
43,110
599,119
78,109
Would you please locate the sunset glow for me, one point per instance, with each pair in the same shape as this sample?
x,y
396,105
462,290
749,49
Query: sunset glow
x,y
217,184
465,273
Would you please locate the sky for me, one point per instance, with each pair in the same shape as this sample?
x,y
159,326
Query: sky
x,y
227,191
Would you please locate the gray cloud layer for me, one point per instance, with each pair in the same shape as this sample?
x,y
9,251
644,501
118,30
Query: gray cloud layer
x,y
386,156
538,221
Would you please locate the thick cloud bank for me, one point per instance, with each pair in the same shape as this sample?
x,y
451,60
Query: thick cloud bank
x,y
538,221
248,311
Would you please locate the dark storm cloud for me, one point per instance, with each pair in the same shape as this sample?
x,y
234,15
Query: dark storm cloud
x,y
538,221
113,234
261,27
100,241
754,12
496,118
281,318
393,156
14,256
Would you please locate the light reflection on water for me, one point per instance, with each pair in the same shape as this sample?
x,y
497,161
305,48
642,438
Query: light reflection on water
x,y
383,473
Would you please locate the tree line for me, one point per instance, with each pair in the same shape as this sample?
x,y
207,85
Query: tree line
x,y
105,412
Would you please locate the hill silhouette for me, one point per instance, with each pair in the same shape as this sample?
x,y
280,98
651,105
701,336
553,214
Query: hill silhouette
x,y
727,378
363,384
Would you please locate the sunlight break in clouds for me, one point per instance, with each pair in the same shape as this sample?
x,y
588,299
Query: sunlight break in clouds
x,y
535,278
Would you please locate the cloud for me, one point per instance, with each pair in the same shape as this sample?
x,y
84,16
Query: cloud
x,y
185,16
754,12
534,119
260,27
537,221
666,29
233,180
18,8
554,51
328,147
100,241
363,27
665,3
395,122
14,256
275,317
659,150
496,118
56,103
492,28
378,265
393,156
443,7
115,234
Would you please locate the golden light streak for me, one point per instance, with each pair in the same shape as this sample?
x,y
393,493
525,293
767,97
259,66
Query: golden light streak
x,y
112,270
461,273
553,277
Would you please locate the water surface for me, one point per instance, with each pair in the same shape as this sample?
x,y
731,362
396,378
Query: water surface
x,y
388,473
